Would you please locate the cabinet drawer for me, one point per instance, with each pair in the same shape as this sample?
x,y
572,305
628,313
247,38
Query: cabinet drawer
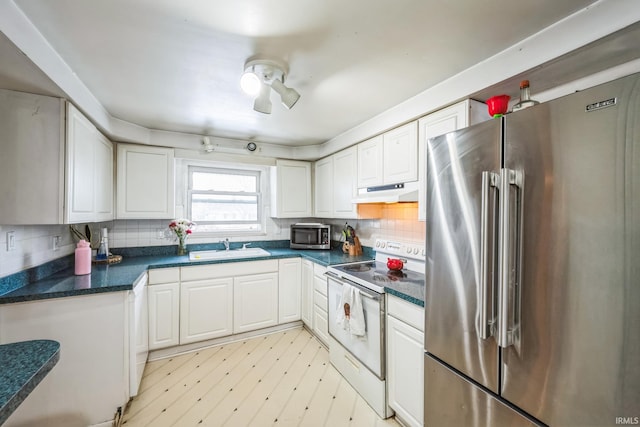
x,y
407,312
321,325
319,270
164,275
230,269
320,300
320,284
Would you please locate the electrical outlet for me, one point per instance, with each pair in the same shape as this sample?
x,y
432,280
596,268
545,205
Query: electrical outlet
x,y
55,243
11,241
160,233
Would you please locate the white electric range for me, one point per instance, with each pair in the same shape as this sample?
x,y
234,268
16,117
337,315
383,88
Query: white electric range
x,y
349,353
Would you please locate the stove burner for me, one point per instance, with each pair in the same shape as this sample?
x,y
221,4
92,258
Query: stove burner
x,y
396,274
358,268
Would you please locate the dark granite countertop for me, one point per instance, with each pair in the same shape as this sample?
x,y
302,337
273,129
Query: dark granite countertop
x,y
121,276
408,291
23,366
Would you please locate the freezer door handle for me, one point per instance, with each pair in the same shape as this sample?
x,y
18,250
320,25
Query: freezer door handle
x,y
509,250
486,316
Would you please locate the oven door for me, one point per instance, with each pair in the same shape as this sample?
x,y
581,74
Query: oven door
x,y
368,349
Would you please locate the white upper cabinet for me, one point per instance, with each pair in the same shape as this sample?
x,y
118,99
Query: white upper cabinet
x,y
400,149
105,182
145,184
370,162
291,189
336,185
345,183
89,171
452,118
390,158
55,166
324,187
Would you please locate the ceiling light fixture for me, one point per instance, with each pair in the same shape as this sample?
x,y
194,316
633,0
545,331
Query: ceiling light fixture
x,y
261,75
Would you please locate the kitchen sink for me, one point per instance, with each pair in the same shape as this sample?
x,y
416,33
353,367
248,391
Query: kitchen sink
x,y
222,254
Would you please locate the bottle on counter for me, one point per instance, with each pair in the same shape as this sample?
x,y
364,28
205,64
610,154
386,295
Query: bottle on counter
x,y
103,249
525,97
83,258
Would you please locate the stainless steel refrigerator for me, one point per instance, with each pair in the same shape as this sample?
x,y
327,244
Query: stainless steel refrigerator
x,y
532,308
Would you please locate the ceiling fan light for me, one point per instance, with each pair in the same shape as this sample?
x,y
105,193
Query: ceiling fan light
x,y
288,95
262,104
250,83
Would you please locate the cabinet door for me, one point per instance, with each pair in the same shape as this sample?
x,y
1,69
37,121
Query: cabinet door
x,y
452,118
405,367
321,324
32,143
324,187
255,302
400,151
291,194
289,289
164,315
370,163
145,182
104,179
80,171
206,309
345,183
307,293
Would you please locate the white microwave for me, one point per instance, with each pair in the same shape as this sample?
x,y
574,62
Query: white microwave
x,y
306,235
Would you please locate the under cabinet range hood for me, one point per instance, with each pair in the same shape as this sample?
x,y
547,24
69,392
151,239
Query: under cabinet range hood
x,y
393,193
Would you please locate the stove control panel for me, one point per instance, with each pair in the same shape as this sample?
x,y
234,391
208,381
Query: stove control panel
x,y
401,249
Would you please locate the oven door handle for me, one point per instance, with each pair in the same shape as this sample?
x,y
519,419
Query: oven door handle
x,y
363,291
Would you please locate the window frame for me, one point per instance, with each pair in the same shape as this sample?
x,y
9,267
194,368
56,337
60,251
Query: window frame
x,y
258,174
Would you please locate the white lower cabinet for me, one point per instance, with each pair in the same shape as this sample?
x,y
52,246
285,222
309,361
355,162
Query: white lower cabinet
x,y
206,309
405,360
320,304
90,380
255,302
163,296
164,315
289,289
306,313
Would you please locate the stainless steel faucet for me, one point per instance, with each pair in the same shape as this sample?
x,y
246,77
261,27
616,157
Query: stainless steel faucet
x,y
225,242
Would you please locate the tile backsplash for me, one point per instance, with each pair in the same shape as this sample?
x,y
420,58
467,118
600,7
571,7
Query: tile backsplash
x,y
33,244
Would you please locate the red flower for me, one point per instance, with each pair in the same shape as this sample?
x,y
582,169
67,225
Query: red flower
x,y
189,231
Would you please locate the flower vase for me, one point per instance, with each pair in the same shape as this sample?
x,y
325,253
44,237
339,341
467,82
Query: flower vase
x,y
182,246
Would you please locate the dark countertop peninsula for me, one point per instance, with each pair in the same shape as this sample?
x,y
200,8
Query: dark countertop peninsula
x,y
23,365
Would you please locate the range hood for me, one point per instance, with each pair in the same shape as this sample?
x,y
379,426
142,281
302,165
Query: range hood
x,y
393,193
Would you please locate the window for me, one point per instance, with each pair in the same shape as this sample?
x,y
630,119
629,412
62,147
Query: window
x,y
224,200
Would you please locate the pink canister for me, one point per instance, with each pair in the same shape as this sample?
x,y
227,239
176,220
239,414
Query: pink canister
x,y
83,258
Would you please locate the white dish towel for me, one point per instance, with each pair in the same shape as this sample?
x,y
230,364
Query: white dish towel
x,y
350,314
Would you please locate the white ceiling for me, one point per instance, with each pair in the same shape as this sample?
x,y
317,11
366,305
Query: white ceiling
x,y
175,65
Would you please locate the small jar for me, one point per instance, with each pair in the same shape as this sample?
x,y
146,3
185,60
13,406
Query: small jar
x,y
83,258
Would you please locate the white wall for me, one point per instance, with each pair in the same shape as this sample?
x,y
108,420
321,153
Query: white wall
x,y
33,246
33,243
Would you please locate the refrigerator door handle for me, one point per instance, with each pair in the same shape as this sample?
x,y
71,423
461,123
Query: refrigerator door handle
x,y
509,243
487,309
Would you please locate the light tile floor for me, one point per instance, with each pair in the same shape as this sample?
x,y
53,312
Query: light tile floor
x,y
282,379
